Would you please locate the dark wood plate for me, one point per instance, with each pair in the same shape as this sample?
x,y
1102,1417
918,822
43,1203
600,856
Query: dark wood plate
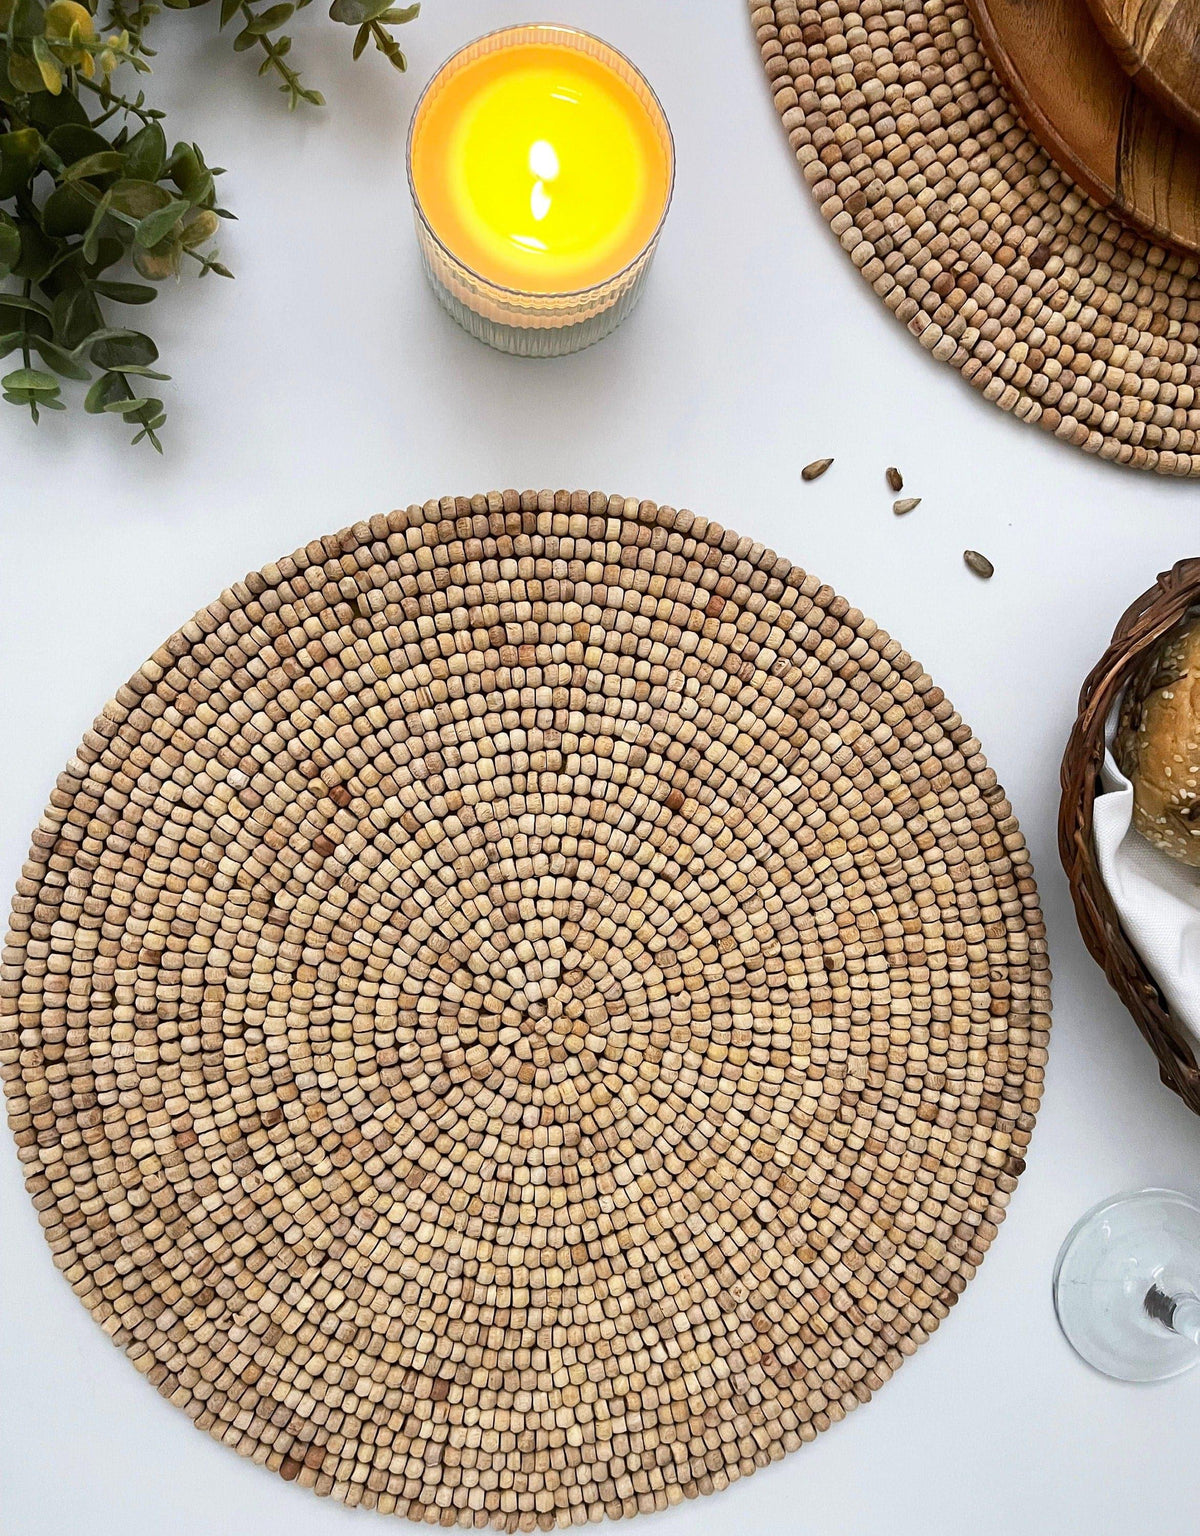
x,y
1112,138
1157,43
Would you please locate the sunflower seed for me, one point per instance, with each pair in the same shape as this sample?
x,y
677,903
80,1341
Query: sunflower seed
x,y
980,564
895,480
815,470
907,505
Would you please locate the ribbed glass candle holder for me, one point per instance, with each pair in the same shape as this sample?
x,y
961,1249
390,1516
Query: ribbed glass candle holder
x,y
525,322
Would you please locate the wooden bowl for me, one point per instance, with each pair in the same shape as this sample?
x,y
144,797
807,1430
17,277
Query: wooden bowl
x,y
1157,44
1114,140
1140,628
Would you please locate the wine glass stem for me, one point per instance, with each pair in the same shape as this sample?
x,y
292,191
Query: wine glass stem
x,y
1181,1313
1187,1318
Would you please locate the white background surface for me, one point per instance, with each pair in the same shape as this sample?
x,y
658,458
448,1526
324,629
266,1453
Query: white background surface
x,y
325,385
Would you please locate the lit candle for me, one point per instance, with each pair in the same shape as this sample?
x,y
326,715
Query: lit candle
x,y
541,165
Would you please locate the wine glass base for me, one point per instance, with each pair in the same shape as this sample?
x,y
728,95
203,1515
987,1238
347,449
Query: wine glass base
x,y
1111,1258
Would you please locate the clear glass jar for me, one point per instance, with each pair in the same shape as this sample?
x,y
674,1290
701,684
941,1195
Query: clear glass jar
x,y
526,323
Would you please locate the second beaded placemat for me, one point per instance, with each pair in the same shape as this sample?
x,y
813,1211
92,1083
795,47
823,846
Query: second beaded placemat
x,y
1047,304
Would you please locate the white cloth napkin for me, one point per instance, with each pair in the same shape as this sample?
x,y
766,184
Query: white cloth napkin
x,y
1157,898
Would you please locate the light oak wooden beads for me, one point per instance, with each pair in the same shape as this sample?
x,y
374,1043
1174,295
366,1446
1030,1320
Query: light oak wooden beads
x,y
1051,307
523,1011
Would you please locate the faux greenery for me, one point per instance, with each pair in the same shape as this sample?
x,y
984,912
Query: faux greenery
x,y
89,189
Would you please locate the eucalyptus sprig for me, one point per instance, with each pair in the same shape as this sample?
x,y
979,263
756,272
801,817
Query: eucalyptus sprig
x,y
87,185
372,19
261,28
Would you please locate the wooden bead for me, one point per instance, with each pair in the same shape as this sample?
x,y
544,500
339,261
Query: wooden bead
x,y
523,1011
1048,305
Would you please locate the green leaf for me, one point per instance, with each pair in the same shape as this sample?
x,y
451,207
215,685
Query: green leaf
x,y
157,264
138,198
8,91
229,9
270,20
18,159
245,39
131,407
361,39
107,388
50,69
91,241
32,380
146,153
108,252
16,310
155,227
64,269
103,164
28,19
49,112
201,191
125,293
185,168
60,360
76,317
125,349
104,333
37,253
73,141
66,212
24,73
203,227
353,13
399,14
10,245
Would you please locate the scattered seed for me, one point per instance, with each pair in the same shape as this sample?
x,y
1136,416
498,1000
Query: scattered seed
x,y
895,480
980,564
907,505
815,470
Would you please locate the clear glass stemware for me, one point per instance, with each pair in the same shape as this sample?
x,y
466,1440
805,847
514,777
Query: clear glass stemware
x,y
1127,1285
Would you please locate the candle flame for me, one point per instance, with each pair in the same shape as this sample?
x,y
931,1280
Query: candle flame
x,y
543,163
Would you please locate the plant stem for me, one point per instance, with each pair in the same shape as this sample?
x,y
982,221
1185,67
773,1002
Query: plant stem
x,y
146,114
134,22
33,410
291,79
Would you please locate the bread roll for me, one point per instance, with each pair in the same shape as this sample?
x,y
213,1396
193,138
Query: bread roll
x,y
1157,746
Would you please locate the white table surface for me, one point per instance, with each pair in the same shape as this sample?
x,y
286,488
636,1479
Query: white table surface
x,y
325,385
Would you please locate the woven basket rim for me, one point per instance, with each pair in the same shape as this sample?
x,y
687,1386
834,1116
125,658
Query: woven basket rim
x,y
1141,626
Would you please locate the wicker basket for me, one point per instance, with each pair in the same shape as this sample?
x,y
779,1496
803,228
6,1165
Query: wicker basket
x,y
1144,623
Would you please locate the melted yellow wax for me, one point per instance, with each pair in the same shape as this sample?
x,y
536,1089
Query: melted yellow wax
x,y
540,168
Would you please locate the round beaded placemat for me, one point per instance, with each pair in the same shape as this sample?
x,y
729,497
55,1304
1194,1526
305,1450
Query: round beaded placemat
x,y
1049,305
525,1010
